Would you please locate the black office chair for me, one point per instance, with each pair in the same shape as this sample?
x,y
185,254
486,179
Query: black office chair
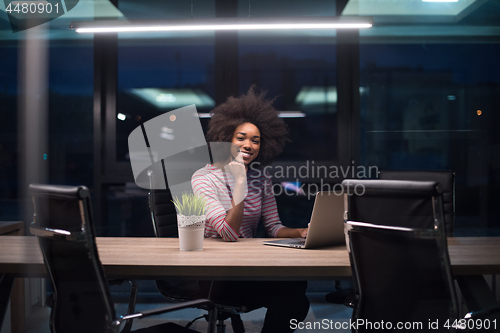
x,y
6,283
398,251
64,226
446,180
402,275
391,203
164,218
394,203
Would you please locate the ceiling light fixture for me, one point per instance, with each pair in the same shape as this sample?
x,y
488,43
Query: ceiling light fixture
x,y
291,114
440,0
281,114
240,23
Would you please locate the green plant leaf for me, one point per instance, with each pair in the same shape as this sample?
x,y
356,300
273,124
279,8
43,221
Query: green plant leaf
x,y
190,204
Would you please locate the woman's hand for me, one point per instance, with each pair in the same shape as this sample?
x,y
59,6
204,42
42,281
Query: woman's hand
x,y
292,232
237,168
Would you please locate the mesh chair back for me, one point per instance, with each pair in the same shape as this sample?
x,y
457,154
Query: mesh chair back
x,y
403,276
162,208
407,204
446,180
398,252
63,224
164,218
163,213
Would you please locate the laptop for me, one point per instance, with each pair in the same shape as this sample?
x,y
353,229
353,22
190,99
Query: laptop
x,y
326,226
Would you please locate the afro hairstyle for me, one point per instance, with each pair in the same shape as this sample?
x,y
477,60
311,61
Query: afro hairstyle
x,y
253,108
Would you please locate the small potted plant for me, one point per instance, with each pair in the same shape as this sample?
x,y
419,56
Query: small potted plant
x,y
190,221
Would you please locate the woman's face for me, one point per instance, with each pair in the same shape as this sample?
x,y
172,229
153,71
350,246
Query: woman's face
x,y
246,139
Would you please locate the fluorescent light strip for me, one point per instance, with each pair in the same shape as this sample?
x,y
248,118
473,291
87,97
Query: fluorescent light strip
x,y
291,114
268,23
227,27
282,114
439,0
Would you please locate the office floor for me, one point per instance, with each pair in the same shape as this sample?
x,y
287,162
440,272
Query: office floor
x,y
319,310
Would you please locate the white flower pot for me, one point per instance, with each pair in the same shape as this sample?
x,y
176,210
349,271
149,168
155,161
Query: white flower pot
x,y
191,232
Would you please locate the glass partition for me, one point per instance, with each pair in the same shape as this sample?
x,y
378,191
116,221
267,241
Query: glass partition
x,y
430,102
9,203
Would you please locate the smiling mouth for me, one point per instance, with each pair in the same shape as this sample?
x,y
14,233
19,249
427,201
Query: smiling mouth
x,y
244,153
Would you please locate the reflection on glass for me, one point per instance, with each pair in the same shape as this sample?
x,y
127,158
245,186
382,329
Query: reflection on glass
x,y
420,112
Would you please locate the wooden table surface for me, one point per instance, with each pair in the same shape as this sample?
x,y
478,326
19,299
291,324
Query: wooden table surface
x,y
149,258
17,308
8,228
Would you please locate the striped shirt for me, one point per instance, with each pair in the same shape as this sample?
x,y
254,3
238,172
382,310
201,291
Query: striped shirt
x,y
216,186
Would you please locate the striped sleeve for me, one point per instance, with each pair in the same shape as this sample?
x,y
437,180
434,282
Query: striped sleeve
x,y
270,217
216,213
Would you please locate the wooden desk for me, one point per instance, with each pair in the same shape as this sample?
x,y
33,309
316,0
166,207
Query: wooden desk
x,y
247,259
17,310
11,228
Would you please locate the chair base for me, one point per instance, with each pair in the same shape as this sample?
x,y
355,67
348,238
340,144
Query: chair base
x,y
167,327
343,296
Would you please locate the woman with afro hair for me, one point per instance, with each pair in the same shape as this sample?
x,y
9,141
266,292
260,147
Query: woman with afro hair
x,y
239,194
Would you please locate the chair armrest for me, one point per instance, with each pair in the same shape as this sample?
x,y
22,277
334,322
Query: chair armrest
x,y
483,313
189,304
132,301
57,234
462,325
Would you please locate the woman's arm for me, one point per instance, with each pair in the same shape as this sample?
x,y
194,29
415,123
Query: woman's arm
x,y
270,216
234,216
210,184
286,232
224,212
